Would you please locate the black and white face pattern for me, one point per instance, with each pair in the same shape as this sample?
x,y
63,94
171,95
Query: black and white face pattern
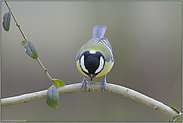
x,y
92,62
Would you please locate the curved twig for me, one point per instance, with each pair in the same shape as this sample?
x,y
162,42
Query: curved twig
x,y
93,87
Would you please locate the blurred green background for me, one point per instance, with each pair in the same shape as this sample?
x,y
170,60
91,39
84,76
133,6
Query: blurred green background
x,y
146,42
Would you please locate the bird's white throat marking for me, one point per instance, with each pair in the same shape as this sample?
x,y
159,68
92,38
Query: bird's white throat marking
x,y
83,65
92,52
101,64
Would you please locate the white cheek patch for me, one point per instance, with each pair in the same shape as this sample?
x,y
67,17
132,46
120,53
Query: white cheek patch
x,y
101,64
83,65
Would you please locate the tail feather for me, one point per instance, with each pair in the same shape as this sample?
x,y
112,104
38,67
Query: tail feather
x,y
99,31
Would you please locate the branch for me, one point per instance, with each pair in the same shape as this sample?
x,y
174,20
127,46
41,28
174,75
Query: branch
x,y
18,25
21,31
93,87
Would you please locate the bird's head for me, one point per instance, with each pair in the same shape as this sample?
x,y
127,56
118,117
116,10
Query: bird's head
x,y
92,63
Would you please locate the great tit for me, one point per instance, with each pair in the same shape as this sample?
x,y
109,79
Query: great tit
x,y
95,58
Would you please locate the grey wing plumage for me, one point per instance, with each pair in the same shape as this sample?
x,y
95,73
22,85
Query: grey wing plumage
x,y
98,36
106,42
76,57
99,31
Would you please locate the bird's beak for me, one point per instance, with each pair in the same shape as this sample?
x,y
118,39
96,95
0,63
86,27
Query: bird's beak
x,y
91,76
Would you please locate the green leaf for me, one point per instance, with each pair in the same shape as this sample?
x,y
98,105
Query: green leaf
x,y
6,21
176,118
52,97
175,109
23,42
30,49
59,82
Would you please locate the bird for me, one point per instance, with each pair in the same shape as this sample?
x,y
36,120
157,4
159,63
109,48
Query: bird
x,y
95,57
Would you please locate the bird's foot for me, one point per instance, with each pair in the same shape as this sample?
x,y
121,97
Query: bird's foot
x,y
104,86
83,85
